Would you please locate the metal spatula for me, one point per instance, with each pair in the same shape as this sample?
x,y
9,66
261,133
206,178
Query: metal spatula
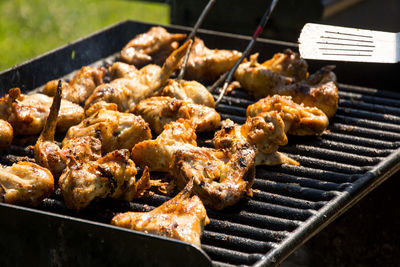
x,y
327,42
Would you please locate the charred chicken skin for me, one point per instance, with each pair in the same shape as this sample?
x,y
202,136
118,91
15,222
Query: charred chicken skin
x,y
182,217
28,113
153,46
208,65
25,183
110,176
160,110
126,92
221,176
80,87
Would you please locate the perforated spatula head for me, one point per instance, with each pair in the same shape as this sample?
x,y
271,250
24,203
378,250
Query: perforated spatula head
x,y
325,42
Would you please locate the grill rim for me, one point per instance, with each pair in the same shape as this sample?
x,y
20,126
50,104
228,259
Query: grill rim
x,y
361,184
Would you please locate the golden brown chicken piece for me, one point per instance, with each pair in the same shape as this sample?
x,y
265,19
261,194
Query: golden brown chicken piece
x,y
116,130
208,65
318,90
28,113
80,87
122,70
158,154
126,92
6,134
158,111
25,183
221,176
288,64
47,152
110,176
189,91
49,155
182,217
153,46
259,80
266,132
180,89
297,119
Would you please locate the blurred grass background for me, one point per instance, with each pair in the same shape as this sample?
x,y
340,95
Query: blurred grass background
x,y
31,27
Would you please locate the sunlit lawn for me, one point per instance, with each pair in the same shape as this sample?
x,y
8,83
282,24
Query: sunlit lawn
x,y
31,27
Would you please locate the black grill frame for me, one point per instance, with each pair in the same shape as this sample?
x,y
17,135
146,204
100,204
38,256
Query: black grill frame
x,y
290,204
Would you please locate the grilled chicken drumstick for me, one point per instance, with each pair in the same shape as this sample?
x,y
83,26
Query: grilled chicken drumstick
x,y
154,46
126,92
25,183
80,87
182,217
158,111
28,113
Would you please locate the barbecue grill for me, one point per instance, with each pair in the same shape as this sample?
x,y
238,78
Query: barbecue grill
x,y
290,204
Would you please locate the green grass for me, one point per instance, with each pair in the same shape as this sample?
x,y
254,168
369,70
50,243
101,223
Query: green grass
x,y
31,27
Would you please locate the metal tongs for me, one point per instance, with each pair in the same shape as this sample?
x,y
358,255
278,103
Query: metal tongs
x,y
193,34
227,77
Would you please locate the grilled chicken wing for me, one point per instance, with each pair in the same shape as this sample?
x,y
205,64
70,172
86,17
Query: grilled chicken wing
x,y
182,217
28,113
47,152
221,176
208,64
157,154
258,80
25,183
318,90
126,92
116,130
49,155
122,70
298,119
160,110
153,46
288,64
80,87
110,176
180,89
6,134
189,91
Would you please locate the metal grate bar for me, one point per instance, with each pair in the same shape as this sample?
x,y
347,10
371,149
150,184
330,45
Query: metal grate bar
x,y
321,153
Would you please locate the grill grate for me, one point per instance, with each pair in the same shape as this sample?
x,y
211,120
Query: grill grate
x,y
290,203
